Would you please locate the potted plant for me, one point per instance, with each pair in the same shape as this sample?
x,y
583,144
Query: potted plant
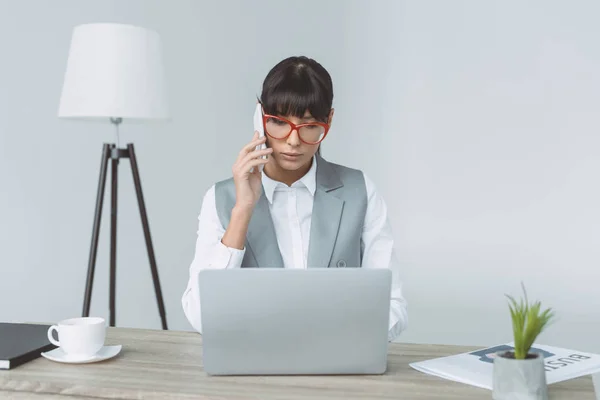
x,y
520,374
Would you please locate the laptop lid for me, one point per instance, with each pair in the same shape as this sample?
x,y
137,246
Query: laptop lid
x,y
283,321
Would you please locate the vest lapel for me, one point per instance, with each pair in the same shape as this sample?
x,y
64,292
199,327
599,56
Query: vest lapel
x,y
261,236
326,216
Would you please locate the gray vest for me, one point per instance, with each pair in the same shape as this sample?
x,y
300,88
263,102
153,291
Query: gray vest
x,y
338,215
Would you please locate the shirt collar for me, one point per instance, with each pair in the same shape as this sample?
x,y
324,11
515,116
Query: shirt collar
x,y
309,180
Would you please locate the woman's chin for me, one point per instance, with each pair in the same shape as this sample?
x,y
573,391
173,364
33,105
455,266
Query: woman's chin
x,y
290,165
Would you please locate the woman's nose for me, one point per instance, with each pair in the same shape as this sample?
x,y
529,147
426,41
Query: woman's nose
x,y
294,138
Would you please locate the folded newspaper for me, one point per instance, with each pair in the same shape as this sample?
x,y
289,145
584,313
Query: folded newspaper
x,y
476,368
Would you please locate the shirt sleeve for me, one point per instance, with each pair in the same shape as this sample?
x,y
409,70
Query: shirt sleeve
x,y
378,252
210,253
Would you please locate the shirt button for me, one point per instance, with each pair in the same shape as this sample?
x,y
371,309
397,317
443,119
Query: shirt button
x,y
341,264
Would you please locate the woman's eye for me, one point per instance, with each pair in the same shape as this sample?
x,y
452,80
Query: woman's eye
x,y
276,121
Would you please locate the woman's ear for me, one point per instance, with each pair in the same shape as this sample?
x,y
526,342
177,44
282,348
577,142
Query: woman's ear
x,y
330,117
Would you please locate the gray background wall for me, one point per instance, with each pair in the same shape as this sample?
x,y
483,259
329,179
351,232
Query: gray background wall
x,y
477,121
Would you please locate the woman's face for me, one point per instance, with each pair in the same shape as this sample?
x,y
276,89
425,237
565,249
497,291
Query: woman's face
x,y
291,153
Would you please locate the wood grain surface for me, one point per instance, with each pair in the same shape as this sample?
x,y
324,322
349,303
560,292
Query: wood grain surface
x,y
157,364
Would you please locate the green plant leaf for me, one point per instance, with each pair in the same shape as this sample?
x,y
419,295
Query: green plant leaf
x,y
528,321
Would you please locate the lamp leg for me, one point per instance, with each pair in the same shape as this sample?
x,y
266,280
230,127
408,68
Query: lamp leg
x,y
95,232
153,268
113,239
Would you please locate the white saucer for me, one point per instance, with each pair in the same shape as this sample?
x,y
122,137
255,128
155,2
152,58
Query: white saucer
x,y
59,355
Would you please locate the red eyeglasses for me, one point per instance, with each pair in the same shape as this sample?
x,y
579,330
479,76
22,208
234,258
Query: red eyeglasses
x,y
280,128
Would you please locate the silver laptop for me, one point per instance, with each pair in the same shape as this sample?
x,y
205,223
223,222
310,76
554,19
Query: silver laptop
x,y
276,321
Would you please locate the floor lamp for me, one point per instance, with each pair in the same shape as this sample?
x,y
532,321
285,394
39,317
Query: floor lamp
x,y
115,73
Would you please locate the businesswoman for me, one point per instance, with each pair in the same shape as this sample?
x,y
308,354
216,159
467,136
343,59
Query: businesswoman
x,y
285,209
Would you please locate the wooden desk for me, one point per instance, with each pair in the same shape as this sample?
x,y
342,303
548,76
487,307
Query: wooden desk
x,y
163,365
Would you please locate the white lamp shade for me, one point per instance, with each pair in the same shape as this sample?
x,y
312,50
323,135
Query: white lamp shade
x,y
114,71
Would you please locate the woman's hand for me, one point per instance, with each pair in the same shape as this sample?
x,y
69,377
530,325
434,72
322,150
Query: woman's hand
x,y
248,185
248,188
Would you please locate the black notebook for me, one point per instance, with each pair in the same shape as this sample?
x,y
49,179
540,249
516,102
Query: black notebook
x,y
20,343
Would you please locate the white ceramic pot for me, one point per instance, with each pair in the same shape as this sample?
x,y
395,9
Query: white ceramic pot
x,y
519,379
596,379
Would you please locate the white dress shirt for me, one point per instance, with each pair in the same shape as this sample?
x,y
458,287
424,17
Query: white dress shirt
x,y
291,210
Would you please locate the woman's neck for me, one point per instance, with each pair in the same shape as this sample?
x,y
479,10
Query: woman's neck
x,y
275,172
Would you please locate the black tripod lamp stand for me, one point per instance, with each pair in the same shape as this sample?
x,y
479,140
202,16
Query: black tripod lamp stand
x,y
114,72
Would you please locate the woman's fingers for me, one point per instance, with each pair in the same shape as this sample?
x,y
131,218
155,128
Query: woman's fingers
x,y
246,165
255,154
253,163
256,141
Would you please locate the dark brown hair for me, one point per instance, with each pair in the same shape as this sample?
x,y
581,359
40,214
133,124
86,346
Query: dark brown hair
x,y
295,85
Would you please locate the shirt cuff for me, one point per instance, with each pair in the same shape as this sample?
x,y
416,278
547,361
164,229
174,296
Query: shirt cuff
x,y
227,257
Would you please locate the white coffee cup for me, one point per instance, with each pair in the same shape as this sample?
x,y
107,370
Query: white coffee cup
x,y
79,337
